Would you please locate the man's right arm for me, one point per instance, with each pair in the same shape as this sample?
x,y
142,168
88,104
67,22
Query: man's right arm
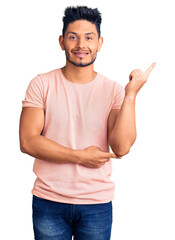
x,y
38,146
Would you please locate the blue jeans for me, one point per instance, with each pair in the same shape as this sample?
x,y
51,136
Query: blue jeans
x,y
61,221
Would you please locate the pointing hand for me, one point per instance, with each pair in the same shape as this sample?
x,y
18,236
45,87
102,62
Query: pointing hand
x,y
136,80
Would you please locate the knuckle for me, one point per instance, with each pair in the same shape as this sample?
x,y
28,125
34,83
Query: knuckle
x,y
134,72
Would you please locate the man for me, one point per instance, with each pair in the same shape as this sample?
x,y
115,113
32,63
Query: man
x,y
70,117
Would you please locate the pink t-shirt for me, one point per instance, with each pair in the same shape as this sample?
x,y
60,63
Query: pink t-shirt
x,y
76,117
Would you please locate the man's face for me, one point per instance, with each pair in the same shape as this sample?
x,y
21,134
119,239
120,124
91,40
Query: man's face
x,y
81,43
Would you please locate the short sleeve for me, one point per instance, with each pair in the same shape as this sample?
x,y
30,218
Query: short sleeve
x,y
34,96
118,96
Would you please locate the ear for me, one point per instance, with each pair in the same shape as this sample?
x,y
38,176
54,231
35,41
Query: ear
x,y
100,43
61,41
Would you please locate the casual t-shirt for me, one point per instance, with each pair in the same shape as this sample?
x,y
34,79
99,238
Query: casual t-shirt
x,y
75,117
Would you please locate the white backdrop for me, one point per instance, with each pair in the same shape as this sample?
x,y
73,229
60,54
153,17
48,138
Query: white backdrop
x,y
136,33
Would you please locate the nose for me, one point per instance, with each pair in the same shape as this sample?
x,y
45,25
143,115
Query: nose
x,y
81,42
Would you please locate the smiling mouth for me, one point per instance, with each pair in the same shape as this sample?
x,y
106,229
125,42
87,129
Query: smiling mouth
x,y
80,54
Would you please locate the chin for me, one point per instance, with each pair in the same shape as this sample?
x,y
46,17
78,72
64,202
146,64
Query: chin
x,y
81,64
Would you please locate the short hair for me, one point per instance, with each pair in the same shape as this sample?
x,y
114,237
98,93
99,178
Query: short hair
x,y
72,14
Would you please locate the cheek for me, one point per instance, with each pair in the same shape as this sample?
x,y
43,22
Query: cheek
x,y
95,48
94,55
67,54
68,45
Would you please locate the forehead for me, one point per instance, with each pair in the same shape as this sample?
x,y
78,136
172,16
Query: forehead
x,y
81,26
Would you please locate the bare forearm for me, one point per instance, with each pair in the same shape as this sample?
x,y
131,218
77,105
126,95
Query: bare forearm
x,y
124,131
123,134
45,149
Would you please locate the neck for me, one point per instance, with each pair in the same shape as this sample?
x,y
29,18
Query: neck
x,y
79,74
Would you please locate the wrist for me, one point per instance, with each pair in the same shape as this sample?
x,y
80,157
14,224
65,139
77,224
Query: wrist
x,y
78,156
130,97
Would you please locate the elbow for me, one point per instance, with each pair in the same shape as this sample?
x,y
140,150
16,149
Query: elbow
x,y
22,149
23,146
121,149
121,152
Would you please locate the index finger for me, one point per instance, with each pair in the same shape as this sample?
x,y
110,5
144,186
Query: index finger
x,y
110,155
147,72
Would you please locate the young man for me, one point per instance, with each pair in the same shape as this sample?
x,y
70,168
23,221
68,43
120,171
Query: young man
x,y
70,117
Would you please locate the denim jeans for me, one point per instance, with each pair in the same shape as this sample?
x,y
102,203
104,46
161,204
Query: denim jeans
x,y
61,221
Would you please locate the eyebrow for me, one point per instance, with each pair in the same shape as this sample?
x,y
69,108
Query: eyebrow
x,y
85,33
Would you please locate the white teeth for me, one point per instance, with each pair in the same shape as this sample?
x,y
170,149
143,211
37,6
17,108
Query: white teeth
x,y
81,54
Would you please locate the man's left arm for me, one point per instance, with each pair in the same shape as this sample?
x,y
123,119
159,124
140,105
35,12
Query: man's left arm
x,y
123,132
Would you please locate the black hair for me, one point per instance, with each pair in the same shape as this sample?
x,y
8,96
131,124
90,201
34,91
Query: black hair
x,y
72,14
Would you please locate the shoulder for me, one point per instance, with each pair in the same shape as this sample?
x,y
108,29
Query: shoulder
x,y
111,83
46,79
50,74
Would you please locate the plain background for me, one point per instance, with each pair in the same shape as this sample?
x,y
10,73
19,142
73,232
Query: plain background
x,y
136,33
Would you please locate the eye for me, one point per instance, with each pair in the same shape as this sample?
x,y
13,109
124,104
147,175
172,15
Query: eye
x,y
72,37
89,38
